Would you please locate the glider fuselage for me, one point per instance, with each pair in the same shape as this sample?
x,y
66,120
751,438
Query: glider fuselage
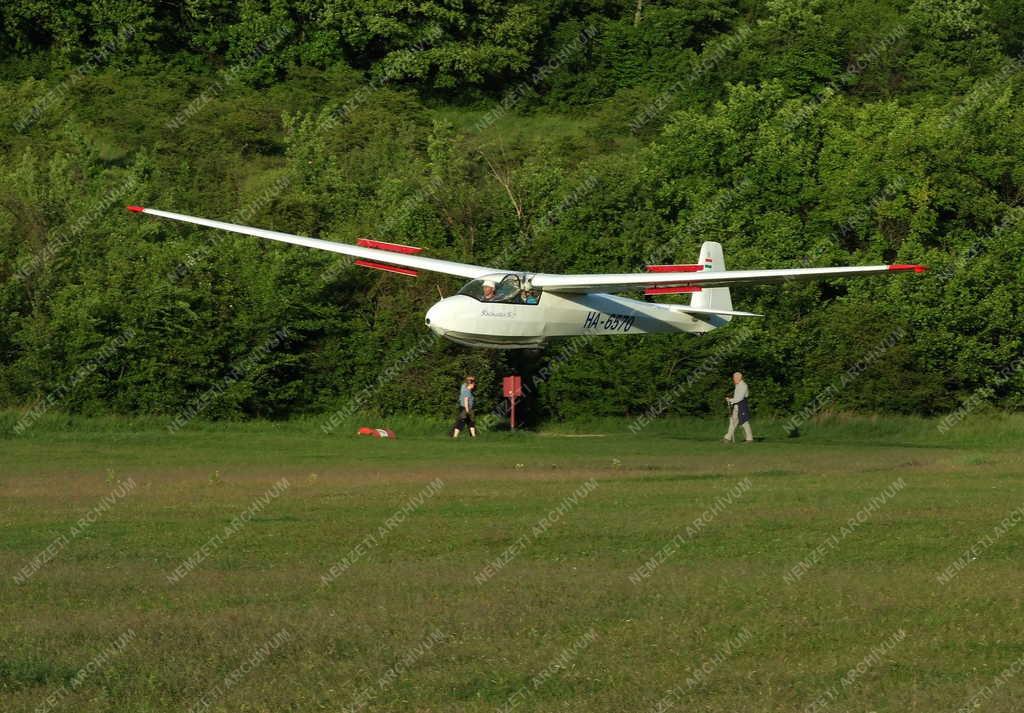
x,y
505,325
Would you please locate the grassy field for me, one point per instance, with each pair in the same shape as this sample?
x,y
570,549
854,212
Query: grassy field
x,y
271,567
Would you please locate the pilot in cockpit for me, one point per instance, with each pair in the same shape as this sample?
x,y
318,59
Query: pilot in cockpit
x,y
488,291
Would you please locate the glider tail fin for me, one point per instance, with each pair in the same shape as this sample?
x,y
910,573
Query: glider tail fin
x,y
712,259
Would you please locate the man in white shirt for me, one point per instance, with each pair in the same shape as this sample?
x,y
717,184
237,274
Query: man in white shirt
x,y
739,410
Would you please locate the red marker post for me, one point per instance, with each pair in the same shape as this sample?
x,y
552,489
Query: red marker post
x,y
512,387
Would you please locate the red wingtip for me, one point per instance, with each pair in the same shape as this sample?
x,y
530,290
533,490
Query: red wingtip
x,y
135,208
915,268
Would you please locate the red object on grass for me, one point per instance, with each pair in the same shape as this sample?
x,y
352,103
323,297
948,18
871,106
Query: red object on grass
x,y
376,432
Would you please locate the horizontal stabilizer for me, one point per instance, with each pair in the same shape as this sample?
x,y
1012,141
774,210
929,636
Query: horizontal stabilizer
x,y
686,309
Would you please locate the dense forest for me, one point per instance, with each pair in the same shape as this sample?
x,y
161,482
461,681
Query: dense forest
x,y
558,136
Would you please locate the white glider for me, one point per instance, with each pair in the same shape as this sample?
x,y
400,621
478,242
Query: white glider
x,y
499,309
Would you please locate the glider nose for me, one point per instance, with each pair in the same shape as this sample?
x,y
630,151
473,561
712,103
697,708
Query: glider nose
x,y
438,318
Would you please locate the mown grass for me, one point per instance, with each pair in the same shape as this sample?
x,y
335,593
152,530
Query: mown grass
x,y
504,640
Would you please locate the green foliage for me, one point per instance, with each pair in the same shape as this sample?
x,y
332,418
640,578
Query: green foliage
x,y
573,136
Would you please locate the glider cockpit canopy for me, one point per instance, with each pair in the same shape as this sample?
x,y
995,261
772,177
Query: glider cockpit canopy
x,y
509,288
